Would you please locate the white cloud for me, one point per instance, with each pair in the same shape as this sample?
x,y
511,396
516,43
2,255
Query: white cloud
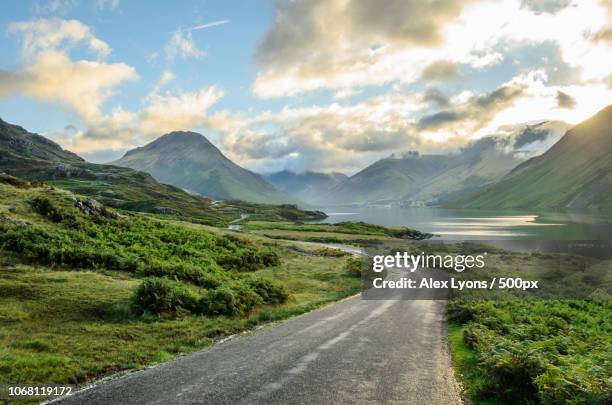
x,y
56,35
53,6
331,45
48,74
181,44
112,4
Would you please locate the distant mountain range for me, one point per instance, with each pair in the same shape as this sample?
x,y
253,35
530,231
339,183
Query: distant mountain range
x,y
415,179
309,187
536,166
575,173
189,161
35,158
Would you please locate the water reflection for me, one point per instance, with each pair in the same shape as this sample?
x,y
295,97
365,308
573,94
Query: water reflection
x,y
471,224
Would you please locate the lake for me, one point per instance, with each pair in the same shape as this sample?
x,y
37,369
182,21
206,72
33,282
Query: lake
x,y
482,225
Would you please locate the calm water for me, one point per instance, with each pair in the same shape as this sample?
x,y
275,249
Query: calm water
x,y
483,225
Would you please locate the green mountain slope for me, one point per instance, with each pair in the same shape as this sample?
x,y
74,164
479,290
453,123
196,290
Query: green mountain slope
x,y
310,187
35,158
189,161
576,173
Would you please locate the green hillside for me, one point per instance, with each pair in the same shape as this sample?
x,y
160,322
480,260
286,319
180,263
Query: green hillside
x,y
189,161
576,173
86,293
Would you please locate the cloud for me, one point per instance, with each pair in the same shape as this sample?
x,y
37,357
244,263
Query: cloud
x,y
564,100
181,44
477,110
333,44
55,34
52,77
348,43
53,6
605,34
112,4
48,74
545,6
165,78
440,70
436,97
347,137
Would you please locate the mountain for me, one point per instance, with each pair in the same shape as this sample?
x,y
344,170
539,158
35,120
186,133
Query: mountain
x,y
189,161
388,180
415,179
576,173
310,187
484,161
35,158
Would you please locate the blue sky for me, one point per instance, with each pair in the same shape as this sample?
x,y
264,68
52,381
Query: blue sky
x,y
305,85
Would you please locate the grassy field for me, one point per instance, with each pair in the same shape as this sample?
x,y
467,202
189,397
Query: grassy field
x,y
352,233
73,326
73,302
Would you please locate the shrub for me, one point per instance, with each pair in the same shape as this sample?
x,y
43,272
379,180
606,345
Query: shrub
x,y
231,299
248,259
270,291
354,266
48,209
512,371
184,272
158,295
13,181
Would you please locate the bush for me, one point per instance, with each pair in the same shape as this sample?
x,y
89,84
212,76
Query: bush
x,y
354,266
190,273
270,291
48,209
550,352
160,295
231,299
248,259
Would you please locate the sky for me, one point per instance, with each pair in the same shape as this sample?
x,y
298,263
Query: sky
x,y
321,85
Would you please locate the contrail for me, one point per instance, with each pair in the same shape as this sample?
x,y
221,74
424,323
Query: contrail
x,y
207,25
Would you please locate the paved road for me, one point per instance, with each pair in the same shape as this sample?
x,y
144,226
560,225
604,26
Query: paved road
x,y
357,351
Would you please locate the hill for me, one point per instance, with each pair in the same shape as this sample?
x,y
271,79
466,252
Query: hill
x,y
310,187
576,173
189,161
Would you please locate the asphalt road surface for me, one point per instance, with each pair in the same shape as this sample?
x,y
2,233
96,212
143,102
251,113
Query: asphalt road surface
x,y
357,351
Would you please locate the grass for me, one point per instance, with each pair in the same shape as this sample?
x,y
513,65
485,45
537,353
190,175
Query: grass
x,y
547,352
68,283
71,327
465,365
349,228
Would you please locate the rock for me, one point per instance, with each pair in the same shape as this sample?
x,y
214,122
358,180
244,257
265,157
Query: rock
x,y
91,206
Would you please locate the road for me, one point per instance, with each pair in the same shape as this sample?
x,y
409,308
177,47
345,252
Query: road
x,y
357,351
